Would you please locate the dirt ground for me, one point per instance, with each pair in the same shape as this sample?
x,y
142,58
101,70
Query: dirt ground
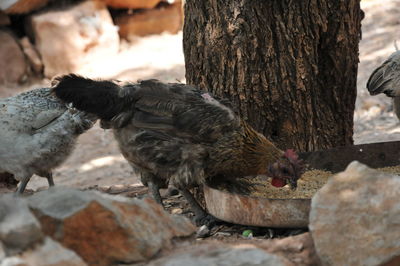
x,y
97,161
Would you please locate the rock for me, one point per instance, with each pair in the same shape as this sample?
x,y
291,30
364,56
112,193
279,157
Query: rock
x,y
131,4
354,218
105,229
298,249
82,36
12,64
50,253
154,21
32,55
21,6
217,253
19,229
4,19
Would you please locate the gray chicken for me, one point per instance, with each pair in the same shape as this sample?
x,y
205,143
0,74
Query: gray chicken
x,y
386,79
38,132
179,134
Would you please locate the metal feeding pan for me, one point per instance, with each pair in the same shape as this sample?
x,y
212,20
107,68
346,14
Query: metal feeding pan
x,y
293,213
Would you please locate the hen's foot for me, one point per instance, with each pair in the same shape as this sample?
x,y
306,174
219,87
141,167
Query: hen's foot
x,y
207,220
201,216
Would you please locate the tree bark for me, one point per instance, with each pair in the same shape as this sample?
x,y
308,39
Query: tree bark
x,y
289,67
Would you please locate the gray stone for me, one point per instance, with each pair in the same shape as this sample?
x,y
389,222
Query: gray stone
x,y
222,255
12,64
19,229
50,253
355,218
104,229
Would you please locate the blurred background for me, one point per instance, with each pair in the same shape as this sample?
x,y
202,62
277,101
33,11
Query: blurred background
x,y
140,39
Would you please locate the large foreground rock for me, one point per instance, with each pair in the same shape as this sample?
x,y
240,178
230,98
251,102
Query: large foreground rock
x,y
104,229
355,218
76,39
48,253
219,254
19,229
13,67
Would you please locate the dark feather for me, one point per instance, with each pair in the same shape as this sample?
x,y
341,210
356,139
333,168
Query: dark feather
x,y
386,77
97,97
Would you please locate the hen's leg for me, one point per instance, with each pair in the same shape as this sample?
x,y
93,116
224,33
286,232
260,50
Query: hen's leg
x,y
49,177
202,217
152,182
155,191
22,185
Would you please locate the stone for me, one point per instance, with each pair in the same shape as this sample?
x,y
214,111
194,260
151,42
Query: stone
x,y
131,4
298,249
355,218
32,55
154,21
19,229
21,6
49,253
75,39
12,64
104,229
220,254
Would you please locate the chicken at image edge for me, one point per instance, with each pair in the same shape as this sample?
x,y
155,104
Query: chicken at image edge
x,y
179,134
38,133
386,79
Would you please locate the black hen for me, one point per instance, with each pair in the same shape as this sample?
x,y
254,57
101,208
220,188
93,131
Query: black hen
x,y
177,133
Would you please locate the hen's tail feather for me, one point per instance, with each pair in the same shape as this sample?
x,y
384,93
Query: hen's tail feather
x,y
385,78
376,82
99,97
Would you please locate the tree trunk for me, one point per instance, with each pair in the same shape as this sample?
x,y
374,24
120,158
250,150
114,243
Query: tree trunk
x,y
289,67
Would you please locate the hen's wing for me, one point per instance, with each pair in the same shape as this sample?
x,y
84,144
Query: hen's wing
x,y
30,111
177,110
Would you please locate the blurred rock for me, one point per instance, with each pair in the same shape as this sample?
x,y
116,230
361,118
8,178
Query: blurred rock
x,y
220,254
298,249
105,229
19,229
154,21
4,19
131,4
76,39
354,218
21,6
32,55
49,253
12,64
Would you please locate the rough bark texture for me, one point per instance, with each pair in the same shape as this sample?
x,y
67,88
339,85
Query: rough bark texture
x,y
290,67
